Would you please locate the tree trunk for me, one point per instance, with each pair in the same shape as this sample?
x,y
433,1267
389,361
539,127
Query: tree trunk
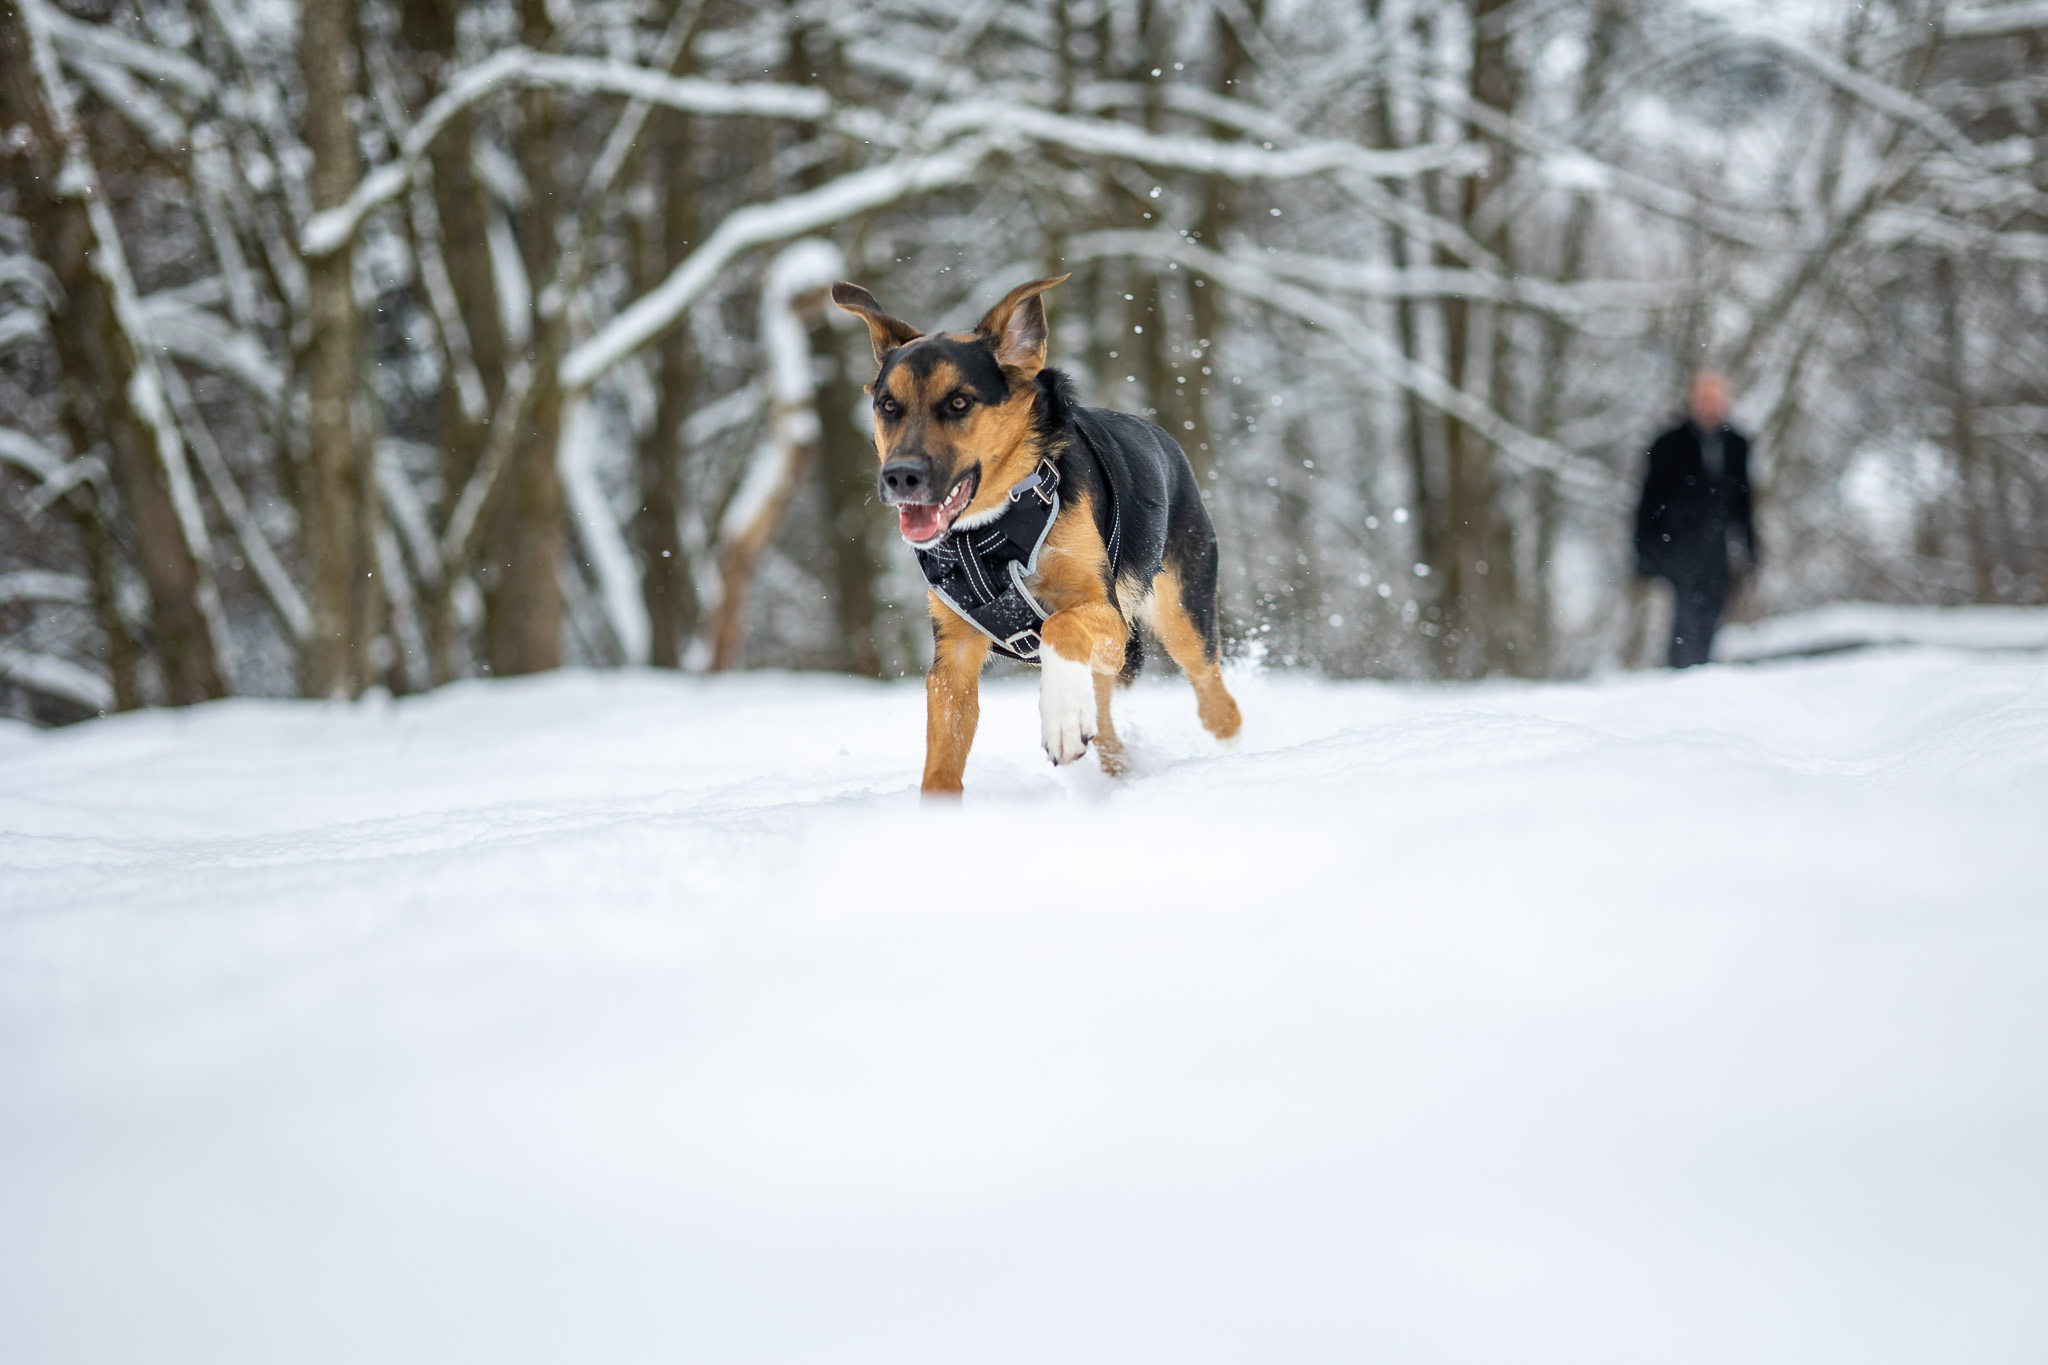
x,y
792,299
845,464
848,466
113,400
523,593
1476,590
666,582
1421,428
1555,342
1980,493
103,558
794,434
338,488
463,210
1192,427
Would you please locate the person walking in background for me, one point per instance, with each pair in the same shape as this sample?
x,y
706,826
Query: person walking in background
x,y
1695,496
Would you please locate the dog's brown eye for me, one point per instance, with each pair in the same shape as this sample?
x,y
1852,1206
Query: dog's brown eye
x,y
888,407
959,403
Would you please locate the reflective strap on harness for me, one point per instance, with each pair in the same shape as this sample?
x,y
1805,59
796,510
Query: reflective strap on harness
x,y
1025,644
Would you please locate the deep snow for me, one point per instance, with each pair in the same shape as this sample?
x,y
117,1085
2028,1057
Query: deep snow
x,y
628,1018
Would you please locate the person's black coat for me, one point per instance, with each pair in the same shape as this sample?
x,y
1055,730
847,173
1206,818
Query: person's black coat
x,y
1684,518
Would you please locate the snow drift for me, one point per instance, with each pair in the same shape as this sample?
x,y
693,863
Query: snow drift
x,y
637,1018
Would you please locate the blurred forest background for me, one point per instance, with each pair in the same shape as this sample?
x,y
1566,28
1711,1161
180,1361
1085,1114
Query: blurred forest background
x,y
354,344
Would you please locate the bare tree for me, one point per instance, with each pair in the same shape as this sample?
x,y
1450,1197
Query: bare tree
x,y
114,404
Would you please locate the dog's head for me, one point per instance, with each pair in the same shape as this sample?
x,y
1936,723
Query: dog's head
x,y
953,411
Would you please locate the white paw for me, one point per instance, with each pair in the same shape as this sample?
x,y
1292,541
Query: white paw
x,y
1066,706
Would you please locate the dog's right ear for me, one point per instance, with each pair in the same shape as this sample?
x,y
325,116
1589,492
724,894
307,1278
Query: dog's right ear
x,y
886,332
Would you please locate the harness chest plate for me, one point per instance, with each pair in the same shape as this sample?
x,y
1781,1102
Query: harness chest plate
x,y
981,572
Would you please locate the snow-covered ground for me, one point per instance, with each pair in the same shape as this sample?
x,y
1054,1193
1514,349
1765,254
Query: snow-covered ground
x,y
1862,625
1697,1018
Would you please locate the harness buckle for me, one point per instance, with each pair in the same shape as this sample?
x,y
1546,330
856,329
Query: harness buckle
x,y
1025,644
1044,481
1048,485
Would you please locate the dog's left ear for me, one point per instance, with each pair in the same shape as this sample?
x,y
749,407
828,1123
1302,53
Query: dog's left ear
x,y
885,332
1017,327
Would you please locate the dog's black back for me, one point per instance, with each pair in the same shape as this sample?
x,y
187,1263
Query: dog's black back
x,y
1145,499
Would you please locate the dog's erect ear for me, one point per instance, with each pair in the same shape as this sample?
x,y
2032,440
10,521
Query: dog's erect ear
x,y
886,332
1017,326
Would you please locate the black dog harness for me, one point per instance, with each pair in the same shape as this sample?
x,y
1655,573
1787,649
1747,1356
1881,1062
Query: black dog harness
x,y
980,572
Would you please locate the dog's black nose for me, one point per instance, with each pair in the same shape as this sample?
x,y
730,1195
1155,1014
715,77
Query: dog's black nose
x,y
906,481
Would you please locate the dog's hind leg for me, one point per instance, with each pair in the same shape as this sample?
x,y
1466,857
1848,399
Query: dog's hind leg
x,y
1192,639
952,699
1109,750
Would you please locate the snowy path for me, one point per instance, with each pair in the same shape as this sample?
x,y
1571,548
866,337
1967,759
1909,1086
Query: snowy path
x,y
619,1018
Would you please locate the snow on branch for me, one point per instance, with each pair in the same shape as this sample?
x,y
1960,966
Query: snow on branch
x,y
625,135
158,123
80,42
19,325
801,273
271,575
1577,299
1567,160
465,521
55,677
1232,160
1251,279
862,191
1908,226
328,232
598,530
24,451
722,414
805,267
43,585
1887,99
407,512
29,275
760,225
57,474
1996,23
208,340
1010,120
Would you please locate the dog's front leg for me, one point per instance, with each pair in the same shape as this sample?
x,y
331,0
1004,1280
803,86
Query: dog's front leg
x,y
952,699
1080,642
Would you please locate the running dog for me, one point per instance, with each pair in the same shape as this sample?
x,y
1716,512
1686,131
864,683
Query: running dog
x,y
1046,531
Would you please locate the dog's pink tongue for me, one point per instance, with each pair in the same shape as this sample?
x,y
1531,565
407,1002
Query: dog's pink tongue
x,y
919,523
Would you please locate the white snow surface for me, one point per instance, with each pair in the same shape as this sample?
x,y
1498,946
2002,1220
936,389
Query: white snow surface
x,y
1860,625
621,1018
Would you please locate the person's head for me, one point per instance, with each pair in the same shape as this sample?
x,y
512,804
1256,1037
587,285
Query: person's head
x,y
1707,401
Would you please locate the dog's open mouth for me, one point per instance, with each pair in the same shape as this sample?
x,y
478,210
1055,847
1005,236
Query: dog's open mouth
x,y
924,522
